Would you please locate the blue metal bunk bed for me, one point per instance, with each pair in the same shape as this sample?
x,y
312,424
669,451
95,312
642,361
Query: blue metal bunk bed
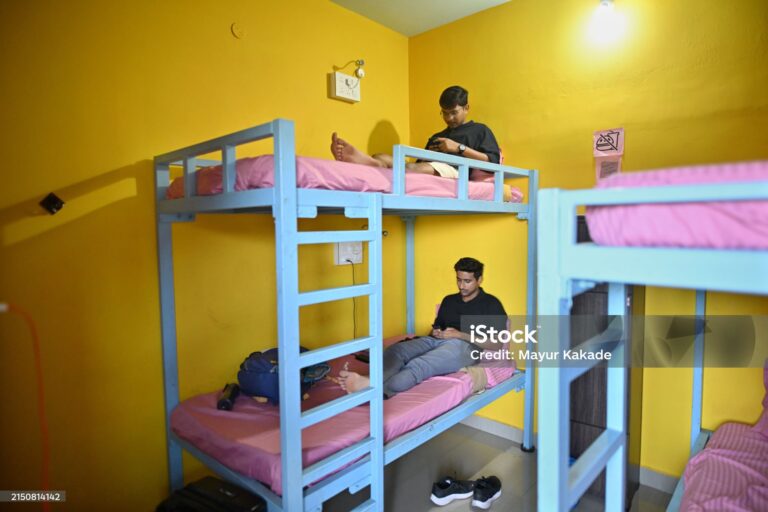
x,y
361,464
567,269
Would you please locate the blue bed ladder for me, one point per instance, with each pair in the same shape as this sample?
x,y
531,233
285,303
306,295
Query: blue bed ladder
x,y
559,486
289,300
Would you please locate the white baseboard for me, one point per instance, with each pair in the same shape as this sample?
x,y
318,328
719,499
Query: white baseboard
x,y
658,481
496,428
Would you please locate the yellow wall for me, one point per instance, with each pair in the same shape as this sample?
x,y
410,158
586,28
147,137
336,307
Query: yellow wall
x,y
688,82
91,92
730,394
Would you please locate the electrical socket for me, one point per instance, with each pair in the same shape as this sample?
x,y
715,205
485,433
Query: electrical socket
x,y
345,87
352,251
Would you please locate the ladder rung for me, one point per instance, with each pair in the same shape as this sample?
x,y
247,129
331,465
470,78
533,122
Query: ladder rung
x,y
365,507
321,355
337,461
335,407
591,463
331,294
328,237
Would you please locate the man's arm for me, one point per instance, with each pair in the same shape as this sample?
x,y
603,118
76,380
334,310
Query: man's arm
x,y
446,145
439,322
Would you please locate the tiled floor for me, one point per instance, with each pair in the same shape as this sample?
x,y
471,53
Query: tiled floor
x,y
467,453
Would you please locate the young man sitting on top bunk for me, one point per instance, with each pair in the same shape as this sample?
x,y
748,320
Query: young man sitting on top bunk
x,y
447,349
460,137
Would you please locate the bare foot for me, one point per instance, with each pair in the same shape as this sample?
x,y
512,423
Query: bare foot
x,y
351,381
346,152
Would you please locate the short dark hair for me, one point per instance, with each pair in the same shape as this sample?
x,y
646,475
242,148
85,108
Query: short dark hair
x,y
469,265
453,96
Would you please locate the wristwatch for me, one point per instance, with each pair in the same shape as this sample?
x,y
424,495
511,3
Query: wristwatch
x,y
462,149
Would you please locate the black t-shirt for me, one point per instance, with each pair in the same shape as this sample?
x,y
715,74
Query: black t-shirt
x,y
483,305
473,135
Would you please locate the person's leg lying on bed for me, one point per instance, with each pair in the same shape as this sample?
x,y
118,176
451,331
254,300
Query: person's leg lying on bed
x,y
395,358
410,362
346,152
448,357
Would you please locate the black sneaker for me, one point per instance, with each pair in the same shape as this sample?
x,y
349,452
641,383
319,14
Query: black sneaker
x,y
487,490
448,489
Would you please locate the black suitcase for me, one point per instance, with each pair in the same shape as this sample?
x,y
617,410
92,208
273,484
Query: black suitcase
x,y
212,495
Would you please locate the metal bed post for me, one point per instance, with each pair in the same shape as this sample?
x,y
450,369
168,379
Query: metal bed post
x,y
530,367
698,368
410,274
286,244
376,352
699,438
554,304
168,329
616,404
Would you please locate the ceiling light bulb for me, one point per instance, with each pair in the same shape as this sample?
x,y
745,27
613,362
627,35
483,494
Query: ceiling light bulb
x,y
607,26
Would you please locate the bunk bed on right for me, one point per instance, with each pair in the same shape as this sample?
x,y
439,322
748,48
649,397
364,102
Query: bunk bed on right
x,y
700,228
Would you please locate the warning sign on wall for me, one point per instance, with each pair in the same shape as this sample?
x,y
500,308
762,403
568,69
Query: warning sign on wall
x,y
608,148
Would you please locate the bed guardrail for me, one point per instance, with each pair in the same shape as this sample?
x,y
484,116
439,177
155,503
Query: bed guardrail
x,y
226,144
584,264
401,152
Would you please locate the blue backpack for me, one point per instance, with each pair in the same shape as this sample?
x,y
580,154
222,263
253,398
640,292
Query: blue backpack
x,y
258,375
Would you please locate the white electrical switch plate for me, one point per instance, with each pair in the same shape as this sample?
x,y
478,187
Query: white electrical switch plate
x,y
352,251
345,87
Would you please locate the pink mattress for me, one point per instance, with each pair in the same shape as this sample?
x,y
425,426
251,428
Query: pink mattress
x,y
258,172
247,439
722,225
730,474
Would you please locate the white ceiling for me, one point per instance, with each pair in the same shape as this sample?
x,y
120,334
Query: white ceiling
x,y
411,17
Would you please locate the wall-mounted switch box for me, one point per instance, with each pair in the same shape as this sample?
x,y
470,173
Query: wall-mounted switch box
x,y
345,87
352,251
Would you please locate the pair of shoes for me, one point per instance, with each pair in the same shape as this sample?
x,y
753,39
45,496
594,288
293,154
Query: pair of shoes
x,y
487,490
483,491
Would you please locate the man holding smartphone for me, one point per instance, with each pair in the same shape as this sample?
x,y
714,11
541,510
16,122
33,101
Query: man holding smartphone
x,y
460,137
447,349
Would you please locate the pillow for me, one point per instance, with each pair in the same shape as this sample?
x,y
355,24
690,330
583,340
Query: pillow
x,y
479,175
487,176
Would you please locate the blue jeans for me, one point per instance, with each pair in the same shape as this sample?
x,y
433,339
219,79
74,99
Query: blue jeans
x,y
409,362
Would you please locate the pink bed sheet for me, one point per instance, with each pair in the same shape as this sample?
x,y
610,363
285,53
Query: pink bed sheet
x,y
721,225
258,172
730,474
247,439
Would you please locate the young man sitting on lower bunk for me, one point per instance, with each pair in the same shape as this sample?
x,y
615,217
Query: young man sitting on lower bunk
x,y
447,349
460,137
